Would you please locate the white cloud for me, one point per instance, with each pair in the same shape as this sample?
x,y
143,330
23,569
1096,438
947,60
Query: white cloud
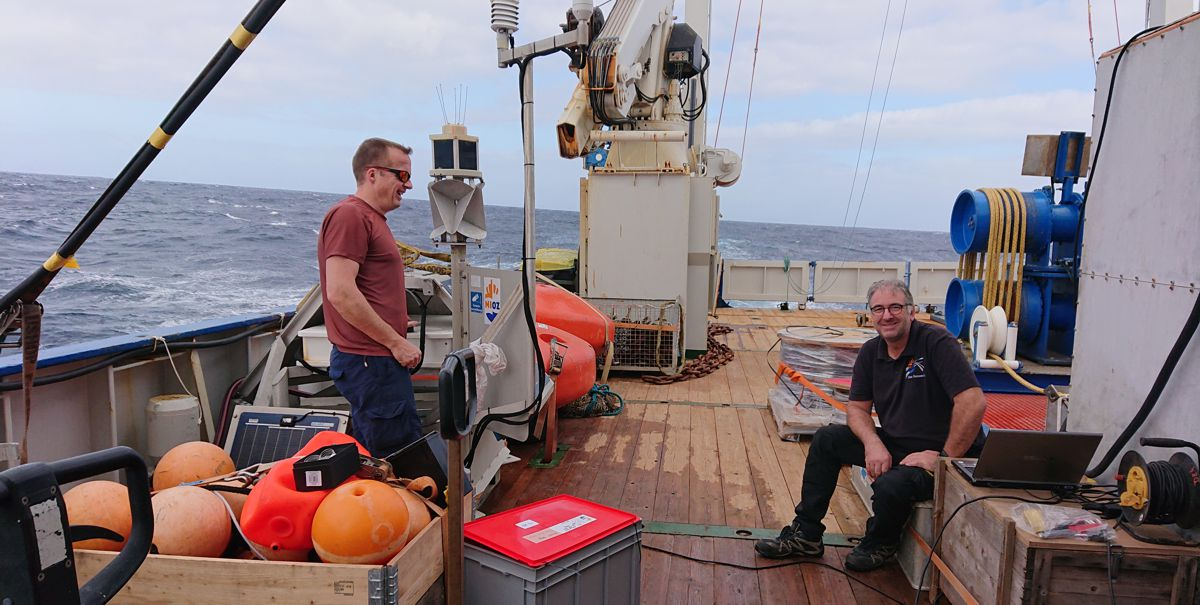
x,y
971,80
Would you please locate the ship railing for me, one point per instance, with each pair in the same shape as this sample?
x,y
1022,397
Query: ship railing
x,y
844,282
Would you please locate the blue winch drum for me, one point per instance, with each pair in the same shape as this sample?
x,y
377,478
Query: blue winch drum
x,y
970,221
964,295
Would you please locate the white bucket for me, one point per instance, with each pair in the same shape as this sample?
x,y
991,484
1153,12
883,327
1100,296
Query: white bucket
x,y
171,420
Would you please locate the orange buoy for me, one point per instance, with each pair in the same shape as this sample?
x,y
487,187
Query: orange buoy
x,y
190,521
578,372
277,518
103,504
418,513
189,462
566,311
424,485
362,521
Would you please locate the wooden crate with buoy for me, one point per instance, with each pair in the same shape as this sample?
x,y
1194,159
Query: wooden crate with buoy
x,y
367,554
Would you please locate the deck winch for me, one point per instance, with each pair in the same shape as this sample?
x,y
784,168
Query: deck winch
x,y
1020,251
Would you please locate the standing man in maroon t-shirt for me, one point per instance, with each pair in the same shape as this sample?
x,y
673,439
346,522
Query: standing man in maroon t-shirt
x,y
366,307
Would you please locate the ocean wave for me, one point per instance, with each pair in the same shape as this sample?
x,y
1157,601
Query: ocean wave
x,y
280,224
236,218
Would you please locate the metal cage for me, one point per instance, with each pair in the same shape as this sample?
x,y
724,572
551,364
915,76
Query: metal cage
x,y
649,333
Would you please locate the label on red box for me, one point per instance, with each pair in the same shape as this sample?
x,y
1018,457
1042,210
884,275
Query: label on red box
x,y
560,529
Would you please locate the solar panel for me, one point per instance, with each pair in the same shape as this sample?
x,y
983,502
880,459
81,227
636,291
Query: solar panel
x,y
266,434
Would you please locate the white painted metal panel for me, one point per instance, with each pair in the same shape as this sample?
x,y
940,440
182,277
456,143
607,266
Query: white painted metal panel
x,y
929,282
60,423
1142,223
847,281
637,236
764,280
701,262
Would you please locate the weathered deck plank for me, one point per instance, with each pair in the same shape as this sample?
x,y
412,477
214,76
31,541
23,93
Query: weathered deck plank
x,y
689,452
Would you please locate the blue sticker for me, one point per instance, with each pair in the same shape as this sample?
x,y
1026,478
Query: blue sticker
x,y
476,301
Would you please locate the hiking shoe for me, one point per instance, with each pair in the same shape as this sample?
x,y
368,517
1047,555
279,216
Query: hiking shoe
x,y
790,543
868,556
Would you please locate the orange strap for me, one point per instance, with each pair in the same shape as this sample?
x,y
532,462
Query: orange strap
x,y
795,376
945,569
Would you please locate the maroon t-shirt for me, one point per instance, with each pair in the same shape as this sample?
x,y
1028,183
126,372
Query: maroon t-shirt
x,y
353,229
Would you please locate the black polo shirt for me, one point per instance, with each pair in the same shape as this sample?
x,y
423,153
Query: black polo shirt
x,y
913,395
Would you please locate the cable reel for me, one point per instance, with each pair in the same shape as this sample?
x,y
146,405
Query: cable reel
x,y
1160,492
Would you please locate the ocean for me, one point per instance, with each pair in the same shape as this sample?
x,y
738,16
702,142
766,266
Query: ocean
x,y
176,253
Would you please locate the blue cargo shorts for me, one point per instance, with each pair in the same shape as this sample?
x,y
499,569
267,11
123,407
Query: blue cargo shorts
x,y
383,409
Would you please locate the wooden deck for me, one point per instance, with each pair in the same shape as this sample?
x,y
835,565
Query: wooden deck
x,y
705,451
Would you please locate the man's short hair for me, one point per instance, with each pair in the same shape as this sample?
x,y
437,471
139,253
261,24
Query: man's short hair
x,y
373,152
890,284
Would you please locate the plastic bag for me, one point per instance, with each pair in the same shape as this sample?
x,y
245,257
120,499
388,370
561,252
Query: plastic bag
x,y
1047,521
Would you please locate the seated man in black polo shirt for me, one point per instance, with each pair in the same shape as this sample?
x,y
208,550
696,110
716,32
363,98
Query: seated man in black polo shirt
x,y
929,404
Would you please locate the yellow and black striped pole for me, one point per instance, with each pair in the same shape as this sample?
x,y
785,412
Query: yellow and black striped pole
x,y
29,289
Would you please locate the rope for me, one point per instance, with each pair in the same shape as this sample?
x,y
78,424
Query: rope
x,y
753,69
599,401
1091,36
171,360
410,254
718,354
1117,20
1003,265
728,66
1017,377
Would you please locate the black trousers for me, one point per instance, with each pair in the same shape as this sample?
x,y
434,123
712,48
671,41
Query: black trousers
x,y
896,490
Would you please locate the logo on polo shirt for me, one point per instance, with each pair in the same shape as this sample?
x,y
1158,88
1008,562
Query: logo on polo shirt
x,y
915,368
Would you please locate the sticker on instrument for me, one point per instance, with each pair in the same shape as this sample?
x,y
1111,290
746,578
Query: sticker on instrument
x,y
48,529
312,478
528,523
559,529
491,299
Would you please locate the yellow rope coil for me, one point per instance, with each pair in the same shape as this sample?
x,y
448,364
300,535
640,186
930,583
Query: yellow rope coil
x,y
1001,267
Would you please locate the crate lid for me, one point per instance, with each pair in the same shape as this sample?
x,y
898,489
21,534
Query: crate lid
x,y
544,531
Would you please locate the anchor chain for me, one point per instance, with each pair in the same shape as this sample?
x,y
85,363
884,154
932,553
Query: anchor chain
x,y
718,354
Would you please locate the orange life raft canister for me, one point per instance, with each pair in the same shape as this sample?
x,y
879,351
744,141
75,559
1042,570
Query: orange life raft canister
x,y
577,360
565,311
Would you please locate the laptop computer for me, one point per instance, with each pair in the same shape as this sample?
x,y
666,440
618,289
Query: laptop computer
x,y
1030,459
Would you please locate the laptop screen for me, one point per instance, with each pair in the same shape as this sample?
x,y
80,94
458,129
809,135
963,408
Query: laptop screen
x,y
1036,457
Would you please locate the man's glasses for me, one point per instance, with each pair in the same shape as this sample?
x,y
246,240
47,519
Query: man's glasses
x,y
894,309
401,175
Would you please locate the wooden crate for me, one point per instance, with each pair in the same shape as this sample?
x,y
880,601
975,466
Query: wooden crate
x,y
406,579
1000,564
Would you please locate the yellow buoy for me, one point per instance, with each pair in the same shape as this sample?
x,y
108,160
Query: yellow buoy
x,y
191,461
190,521
103,504
361,521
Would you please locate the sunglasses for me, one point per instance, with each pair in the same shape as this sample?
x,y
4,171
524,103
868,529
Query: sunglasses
x,y
401,175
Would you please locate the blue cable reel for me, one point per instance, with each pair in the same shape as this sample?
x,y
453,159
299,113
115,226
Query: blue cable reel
x,y
1049,284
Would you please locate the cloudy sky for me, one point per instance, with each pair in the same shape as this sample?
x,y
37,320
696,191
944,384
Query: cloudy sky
x,y
83,83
